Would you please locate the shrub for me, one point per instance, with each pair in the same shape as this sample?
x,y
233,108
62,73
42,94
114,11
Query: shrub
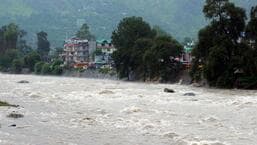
x,y
38,67
57,70
31,59
46,69
104,70
7,58
17,65
5,104
57,62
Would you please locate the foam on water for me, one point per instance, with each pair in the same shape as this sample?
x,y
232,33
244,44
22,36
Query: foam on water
x,y
61,110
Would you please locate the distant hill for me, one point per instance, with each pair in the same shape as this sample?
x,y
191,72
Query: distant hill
x,y
62,18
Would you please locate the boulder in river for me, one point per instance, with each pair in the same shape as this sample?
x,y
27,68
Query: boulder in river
x,y
106,92
189,94
15,115
23,82
197,85
166,90
13,125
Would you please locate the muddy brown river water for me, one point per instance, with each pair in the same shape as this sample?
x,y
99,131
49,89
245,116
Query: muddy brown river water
x,y
78,111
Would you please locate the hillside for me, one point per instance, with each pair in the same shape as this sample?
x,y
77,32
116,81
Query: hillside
x,y
61,18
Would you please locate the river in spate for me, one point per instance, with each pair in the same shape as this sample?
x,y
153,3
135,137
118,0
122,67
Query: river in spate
x,y
79,111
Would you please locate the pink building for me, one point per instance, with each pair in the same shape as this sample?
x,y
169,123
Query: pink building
x,y
186,57
76,51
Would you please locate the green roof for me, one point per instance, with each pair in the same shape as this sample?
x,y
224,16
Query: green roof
x,y
103,41
188,49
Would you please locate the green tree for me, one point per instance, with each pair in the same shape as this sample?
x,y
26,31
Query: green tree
x,y
219,50
46,69
43,45
31,59
38,67
159,31
161,60
144,53
57,70
10,35
138,66
17,65
251,29
124,38
7,58
84,33
129,30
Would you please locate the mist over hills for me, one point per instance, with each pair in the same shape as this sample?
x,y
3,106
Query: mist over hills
x,y
62,18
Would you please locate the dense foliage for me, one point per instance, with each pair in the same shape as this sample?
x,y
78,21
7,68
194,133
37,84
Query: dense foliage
x,y
64,17
31,59
143,55
16,55
225,54
84,33
43,45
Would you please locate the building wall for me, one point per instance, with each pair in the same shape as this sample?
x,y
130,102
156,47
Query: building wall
x,y
92,49
76,51
107,49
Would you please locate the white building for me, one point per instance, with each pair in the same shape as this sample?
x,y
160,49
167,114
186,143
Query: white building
x,y
76,51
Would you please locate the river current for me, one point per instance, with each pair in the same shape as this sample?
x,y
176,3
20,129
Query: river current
x,y
79,111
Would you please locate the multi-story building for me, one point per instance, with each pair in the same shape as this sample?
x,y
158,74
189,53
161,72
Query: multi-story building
x,y
104,50
76,51
186,58
106,46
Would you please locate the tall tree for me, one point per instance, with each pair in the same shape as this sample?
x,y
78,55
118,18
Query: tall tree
x,y
31,59
214,9
84,33
219,42
22,43
142,54
9,35
160,31
43,45
124,38
251,29
129,30
161,61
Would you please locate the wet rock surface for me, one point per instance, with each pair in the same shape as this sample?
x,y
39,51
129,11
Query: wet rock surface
x,y
23,82
189,94
15,115
166,90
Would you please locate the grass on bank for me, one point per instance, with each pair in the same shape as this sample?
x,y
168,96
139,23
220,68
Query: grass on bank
x,y
5,104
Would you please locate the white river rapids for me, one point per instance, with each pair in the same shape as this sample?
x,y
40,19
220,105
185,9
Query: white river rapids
x,y
78,111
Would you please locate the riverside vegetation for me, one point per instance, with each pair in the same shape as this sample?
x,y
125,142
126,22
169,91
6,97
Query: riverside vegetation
x,y
226,51
225,54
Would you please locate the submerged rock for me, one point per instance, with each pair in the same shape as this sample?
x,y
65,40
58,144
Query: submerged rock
x,y
171,135
15,115
197,85
106,92
169,90
13,125
23,82
189,94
